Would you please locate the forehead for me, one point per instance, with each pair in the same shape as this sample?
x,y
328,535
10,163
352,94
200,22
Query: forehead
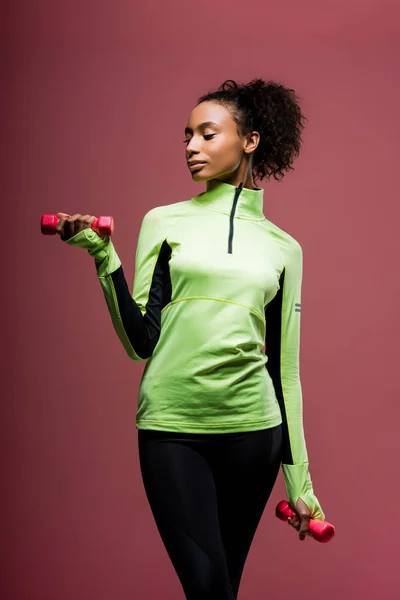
x,y
209,111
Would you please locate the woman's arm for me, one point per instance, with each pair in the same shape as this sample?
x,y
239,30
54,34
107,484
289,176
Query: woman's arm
x,y
282,316
136,318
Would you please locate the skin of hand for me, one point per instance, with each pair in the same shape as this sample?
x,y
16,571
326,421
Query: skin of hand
x,y
70,225
301,520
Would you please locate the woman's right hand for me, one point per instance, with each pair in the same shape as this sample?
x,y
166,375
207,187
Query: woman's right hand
x,y
68,226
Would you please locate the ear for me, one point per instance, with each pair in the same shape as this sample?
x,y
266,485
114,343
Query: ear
x,y
252,141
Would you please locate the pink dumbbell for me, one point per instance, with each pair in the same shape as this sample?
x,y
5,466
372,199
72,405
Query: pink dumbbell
x,y
103,226
322,531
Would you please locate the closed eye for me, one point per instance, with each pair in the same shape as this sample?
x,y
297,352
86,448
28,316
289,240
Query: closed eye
x,y
206,137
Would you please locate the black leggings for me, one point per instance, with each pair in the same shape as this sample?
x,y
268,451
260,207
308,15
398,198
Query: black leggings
x,y
207,493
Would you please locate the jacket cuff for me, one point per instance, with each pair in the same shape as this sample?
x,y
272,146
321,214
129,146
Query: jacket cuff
x,y
100,248
299,485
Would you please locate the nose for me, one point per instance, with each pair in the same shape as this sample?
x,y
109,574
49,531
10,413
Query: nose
x,y
191,148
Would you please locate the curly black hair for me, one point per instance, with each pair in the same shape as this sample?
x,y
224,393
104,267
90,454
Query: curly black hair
x,y
271,109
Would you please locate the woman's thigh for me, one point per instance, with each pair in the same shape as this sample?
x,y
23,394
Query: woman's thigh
x,y
180,488
245,471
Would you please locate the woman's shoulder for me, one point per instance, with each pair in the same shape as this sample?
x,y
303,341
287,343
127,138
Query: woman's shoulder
x,y
282,236
163,211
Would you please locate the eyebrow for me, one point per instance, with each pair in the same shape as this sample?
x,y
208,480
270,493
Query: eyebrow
x,y
201,126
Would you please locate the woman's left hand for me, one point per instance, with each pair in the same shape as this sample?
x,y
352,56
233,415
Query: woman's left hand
x,y
301,520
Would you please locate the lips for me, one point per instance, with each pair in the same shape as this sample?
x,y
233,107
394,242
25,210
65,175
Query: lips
x,y
195,165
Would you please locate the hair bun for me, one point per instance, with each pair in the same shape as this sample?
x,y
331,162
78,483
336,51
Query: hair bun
x,y
271,109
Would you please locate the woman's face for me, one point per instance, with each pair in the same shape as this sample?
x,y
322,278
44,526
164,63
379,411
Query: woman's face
x,y
216,143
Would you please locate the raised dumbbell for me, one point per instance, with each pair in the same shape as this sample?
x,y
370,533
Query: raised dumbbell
x,y
103,226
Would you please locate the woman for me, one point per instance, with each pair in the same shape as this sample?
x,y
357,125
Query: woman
x,y
214,281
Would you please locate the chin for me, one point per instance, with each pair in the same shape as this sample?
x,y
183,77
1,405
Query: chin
x,y
199,177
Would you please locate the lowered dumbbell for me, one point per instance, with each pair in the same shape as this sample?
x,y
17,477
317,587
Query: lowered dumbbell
x,y
322,531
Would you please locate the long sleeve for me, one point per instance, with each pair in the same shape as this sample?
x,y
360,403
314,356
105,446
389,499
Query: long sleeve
x,y
282,316
135,318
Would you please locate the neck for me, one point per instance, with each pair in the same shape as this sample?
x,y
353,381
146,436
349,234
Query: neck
x,y
235,180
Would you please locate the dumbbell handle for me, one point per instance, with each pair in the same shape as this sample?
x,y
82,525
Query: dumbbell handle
x,y
322,531
103,226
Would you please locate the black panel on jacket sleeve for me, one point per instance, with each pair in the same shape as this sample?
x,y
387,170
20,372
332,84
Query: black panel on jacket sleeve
x,y
143,331
273,319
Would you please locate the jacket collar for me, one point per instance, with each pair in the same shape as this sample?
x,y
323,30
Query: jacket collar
x,y
220,196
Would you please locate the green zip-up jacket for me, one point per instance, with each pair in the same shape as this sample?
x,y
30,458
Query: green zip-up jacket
x,y
214,281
